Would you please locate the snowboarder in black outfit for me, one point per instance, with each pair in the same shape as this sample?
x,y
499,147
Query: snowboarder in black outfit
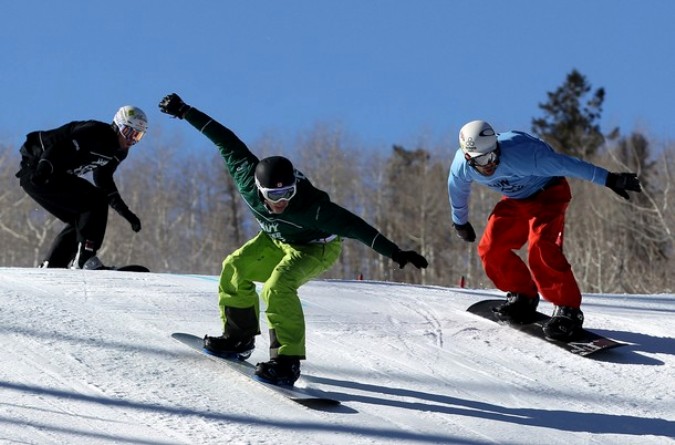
x,y
52,164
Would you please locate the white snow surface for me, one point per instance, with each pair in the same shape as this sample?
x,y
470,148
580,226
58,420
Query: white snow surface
x,y
88,358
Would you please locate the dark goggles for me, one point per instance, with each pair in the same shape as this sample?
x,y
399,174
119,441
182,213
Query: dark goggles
x,y
483,160
131,135
278,194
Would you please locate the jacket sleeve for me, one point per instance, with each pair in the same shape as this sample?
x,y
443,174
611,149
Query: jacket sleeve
x,y
459,192
103,178
337,220
53,146
558,164
238,158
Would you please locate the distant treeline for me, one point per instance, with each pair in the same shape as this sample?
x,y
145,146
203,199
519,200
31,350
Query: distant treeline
x,y
193,217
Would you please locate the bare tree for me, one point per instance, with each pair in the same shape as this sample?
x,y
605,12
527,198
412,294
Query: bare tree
x,y
193,216
336,163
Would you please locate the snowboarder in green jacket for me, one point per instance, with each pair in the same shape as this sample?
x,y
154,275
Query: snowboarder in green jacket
x,y
300,238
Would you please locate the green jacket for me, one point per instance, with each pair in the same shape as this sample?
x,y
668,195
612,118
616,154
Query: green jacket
x,y
310,215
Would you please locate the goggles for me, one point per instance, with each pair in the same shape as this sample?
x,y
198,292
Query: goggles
x,y
278,194
483,160
131,135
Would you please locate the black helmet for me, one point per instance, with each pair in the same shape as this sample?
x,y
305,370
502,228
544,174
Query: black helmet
x,y
274,172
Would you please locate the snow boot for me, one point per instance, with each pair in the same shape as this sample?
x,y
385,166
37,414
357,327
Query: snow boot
x,y
281,370
518,308
230,347
565,324
94,263
85,252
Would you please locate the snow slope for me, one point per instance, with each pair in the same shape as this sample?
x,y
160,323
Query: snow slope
x,y
87,358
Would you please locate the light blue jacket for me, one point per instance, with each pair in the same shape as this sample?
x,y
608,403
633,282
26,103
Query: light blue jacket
x,y
526,164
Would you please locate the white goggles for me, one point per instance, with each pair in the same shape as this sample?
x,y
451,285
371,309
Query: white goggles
x,y
131,135
278,194
483,160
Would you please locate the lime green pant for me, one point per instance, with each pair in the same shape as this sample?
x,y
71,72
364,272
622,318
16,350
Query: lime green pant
x,y
283,268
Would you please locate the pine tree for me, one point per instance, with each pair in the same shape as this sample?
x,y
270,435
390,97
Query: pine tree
x,y
571,126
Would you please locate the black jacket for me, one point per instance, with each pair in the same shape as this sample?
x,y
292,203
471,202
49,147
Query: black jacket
x,y
78,148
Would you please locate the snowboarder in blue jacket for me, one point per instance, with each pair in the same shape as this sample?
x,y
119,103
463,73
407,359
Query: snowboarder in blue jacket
x,y
531,178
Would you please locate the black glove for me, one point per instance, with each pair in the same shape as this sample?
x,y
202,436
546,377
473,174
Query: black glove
x,y
133,220
120,207
403,257
620,182
42,173
466,232
174,106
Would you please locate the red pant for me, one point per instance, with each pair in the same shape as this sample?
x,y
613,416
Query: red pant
x,y
539,221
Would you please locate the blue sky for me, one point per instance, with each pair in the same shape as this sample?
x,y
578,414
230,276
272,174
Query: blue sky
x,y
385,71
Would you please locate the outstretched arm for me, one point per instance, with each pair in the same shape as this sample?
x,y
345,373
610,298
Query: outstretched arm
x,y
340,221
236,154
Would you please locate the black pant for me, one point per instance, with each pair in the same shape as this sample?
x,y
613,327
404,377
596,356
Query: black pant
x,y
78,203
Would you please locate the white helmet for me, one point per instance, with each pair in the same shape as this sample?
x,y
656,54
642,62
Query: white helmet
x,y
131,122
477,138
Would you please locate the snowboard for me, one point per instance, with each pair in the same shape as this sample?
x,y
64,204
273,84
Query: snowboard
x,y
304,396
585,344
132,268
